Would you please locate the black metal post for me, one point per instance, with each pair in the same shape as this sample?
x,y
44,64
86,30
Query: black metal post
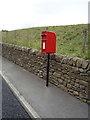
x,y
47,70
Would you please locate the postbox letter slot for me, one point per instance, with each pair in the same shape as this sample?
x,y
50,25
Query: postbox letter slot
x,y
43,36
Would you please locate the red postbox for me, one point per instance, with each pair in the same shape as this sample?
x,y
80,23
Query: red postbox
x,y
48,42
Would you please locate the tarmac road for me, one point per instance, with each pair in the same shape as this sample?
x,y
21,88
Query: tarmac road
x,y
11,108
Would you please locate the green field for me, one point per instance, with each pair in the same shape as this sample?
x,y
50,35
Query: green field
x,y
69,38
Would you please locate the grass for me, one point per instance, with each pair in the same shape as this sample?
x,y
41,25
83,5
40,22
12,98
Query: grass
x,y
69,38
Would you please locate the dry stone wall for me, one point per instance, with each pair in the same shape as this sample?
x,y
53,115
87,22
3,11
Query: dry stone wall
x,y
70,74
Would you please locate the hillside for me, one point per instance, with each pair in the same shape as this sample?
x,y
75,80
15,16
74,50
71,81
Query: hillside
x,y
69,38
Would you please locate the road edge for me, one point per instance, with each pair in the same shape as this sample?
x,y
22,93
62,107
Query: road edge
x,y
29,109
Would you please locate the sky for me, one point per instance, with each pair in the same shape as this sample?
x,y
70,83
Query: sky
x,y
18,14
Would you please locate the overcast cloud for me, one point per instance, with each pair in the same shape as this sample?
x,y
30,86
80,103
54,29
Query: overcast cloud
x,y
17,14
